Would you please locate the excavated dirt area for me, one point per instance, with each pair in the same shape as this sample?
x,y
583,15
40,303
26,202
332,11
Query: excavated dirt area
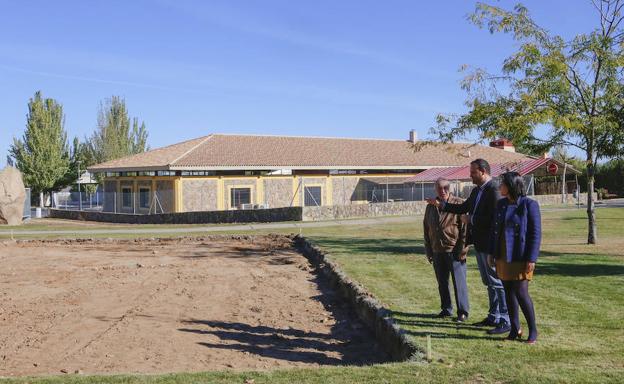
x,y
170,305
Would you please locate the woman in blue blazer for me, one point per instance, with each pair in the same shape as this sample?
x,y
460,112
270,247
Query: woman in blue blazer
x,y
514,249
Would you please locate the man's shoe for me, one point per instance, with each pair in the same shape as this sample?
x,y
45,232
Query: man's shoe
x,y
502,327
485,323
443,314
462,318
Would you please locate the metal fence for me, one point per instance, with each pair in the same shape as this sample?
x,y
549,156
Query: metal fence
x,y
143,201
78,200
27,211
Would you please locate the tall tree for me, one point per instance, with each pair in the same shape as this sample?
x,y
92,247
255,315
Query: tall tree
x,y
80,158
574,88
42,154
116,134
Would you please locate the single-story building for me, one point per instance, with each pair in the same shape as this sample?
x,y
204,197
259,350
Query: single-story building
x,y
222,171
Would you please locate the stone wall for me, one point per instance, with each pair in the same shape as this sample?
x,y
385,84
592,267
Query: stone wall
x,y
166,196
336,212
388,334
556,199
210,217
278,192
343,189
199,195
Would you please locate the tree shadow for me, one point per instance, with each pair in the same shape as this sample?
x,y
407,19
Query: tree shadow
x,y
347,341
372,245
578,269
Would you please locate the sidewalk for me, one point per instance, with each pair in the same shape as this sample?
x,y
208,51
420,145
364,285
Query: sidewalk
x,y
295,225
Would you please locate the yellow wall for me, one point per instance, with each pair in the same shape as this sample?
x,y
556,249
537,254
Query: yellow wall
x,y
253,182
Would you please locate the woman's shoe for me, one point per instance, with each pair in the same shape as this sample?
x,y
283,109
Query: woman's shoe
x,y
532,339
513,337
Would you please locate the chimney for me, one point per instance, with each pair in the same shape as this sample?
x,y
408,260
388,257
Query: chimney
x,y
413,136
503,144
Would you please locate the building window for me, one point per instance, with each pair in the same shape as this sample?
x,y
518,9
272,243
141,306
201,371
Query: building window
x,y
239,196
144,197
165,173
312,196
126,197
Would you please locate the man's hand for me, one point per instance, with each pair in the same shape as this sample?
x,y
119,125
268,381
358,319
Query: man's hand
x,y
433,201
465,219
530,267
490,260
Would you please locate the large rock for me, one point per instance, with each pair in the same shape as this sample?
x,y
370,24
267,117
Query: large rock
x,y
12,196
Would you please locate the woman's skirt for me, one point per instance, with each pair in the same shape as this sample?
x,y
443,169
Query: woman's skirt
x,y
516,270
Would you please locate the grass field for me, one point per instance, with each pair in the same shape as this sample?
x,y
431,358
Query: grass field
x,y
578,292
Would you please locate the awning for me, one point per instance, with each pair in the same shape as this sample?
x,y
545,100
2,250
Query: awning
x,y
381,180
463,173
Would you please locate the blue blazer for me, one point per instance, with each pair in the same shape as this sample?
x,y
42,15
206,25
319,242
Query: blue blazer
x,y
523,231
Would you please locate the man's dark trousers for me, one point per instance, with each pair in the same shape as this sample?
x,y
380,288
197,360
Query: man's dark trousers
x,y
446,264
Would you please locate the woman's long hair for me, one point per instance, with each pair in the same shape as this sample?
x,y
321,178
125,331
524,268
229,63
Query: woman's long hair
x,y
514,183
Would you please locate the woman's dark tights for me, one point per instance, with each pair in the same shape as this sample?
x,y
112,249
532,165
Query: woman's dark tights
x,y
517,293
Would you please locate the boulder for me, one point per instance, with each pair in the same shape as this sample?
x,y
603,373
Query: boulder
x,y
12,196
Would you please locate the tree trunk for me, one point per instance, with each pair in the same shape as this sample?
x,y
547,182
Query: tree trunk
x,y
41,201
591,212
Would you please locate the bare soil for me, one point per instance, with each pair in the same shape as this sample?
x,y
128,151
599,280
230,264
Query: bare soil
x,y
170,305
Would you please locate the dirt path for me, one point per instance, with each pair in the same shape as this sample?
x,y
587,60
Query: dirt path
x,y
168,306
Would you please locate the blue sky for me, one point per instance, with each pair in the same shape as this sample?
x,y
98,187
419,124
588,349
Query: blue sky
x,y
350,68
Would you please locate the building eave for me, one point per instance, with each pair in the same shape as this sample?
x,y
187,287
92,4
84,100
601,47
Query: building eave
x,y
260,168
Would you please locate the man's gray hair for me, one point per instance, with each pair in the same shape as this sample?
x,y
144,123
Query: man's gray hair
x,y
441,181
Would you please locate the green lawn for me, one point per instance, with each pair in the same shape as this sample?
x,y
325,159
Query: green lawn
x,y
578,292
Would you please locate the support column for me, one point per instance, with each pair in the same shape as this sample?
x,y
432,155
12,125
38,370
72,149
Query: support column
x,y
329,191
220,198
259,190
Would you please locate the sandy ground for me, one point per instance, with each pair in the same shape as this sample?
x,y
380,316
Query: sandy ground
x,y
169,306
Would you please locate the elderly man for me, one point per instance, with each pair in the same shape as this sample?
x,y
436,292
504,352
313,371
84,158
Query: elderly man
x,y
481,206
445,245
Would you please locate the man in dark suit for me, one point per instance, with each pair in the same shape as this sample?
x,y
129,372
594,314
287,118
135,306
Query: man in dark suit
x,y
481,206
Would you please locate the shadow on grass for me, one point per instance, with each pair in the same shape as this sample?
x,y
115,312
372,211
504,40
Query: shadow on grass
x,y
430,320
408,321
579,270
371,245
447,335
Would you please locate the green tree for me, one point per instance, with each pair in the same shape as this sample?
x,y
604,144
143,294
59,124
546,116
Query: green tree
x,y
610,176
573,88
116,134
42,154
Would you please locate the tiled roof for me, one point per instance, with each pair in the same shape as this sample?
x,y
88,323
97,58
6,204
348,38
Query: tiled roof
x,y
219,151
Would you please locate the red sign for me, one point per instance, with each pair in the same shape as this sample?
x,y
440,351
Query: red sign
x,y
553,168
